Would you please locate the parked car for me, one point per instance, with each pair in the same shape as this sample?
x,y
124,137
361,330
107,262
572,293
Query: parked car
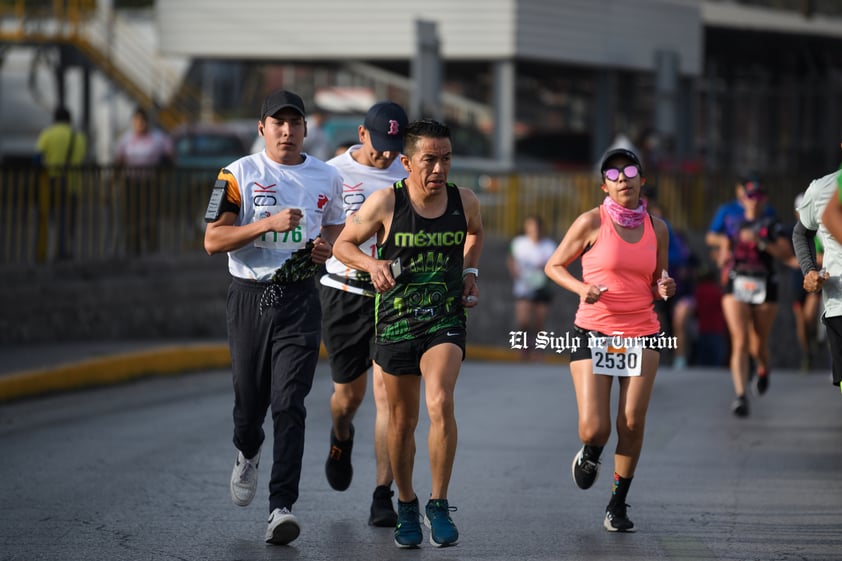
x,y
204,146
199,152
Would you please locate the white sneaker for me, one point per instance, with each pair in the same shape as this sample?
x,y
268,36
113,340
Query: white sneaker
x,y
244,479
283,527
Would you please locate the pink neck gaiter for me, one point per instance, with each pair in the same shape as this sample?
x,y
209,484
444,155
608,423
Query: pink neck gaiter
x,y
625,217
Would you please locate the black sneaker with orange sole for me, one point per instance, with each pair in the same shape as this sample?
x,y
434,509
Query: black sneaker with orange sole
x,y
338,468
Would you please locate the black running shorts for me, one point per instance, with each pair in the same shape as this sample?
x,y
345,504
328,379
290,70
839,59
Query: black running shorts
x,y
834,340
348,332
404,358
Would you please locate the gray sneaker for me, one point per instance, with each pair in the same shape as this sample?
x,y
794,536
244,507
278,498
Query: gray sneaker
x,y
283,527
617,519
244,479
739,406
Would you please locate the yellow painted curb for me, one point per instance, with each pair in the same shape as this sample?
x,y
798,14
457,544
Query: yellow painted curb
x,y
111,369
165,360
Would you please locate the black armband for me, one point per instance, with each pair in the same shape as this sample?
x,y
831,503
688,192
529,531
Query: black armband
x,y
214,210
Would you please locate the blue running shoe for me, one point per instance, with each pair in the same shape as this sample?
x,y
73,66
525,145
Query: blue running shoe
x,y
408,528
443,531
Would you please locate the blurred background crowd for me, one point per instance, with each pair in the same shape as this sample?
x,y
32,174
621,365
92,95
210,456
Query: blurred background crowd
x,y
158,95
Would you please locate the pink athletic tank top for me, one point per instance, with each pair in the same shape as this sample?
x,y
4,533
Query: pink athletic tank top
x,y
626,269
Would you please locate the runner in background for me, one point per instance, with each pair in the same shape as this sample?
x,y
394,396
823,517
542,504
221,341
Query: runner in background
x,y
750,295
528,254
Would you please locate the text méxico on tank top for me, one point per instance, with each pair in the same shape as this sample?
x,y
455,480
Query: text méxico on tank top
x,y
428,295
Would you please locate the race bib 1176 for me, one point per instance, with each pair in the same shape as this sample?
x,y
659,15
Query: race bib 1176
x,y
293,239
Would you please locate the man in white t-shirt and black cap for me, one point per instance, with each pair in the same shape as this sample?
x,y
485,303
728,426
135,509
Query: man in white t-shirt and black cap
x,y
276,214
347,297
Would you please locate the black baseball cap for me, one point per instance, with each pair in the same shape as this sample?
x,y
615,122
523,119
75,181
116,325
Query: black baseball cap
x,y
619,152
281,99
386,123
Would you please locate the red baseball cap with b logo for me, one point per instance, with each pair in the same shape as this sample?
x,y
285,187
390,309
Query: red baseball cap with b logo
x,y
386,123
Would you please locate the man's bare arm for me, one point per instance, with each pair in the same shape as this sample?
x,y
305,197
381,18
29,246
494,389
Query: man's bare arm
x,y
369,220
473,246
323,245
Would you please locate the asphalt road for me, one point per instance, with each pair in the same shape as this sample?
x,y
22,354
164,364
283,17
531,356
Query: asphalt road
x,y
139,471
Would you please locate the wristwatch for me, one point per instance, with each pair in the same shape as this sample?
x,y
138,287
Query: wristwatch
x,y
470,271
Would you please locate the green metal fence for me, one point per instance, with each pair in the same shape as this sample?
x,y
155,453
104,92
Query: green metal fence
x,y
688,200
97,213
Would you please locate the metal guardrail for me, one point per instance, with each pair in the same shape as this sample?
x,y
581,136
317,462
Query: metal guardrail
x,y
97,213
688,201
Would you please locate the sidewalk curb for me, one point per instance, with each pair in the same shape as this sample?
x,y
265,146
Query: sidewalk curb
x,y
165,360
112,369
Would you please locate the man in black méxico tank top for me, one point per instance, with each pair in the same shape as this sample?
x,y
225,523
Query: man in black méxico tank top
x,y
429,239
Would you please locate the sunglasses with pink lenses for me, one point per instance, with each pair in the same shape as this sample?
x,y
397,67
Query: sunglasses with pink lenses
x,y
613,174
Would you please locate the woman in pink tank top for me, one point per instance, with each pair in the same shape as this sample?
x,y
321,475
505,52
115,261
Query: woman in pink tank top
x,y
624,262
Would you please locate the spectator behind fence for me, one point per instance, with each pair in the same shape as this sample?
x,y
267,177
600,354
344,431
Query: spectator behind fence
x,y
59,148
528,254
142,152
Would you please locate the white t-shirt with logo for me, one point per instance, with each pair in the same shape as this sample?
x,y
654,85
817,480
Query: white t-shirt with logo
x,y
262,187
358,183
